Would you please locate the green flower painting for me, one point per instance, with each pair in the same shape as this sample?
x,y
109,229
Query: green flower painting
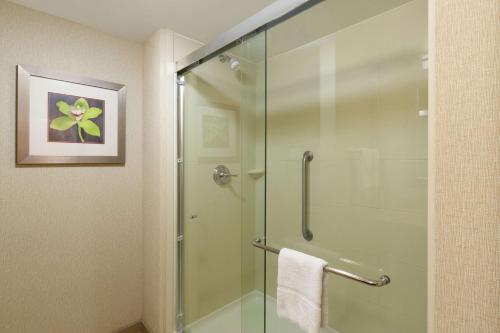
x,y
75,119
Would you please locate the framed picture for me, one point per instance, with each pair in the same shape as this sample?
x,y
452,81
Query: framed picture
x,y
65,119
218,128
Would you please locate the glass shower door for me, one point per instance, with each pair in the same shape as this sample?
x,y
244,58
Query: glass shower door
x,y
221,284
347,81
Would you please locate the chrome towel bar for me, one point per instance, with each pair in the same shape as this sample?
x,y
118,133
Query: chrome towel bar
x,y
306,159
380,282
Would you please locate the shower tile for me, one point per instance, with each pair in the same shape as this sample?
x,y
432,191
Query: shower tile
x,y
403,235
330,182
404,185
407,292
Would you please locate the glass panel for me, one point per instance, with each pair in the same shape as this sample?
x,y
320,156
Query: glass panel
x,y
252,53
347,80
224,119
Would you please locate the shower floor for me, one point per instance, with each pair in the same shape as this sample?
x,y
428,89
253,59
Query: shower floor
x,y
228,319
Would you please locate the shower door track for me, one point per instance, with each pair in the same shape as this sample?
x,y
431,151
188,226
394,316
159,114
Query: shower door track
x,y
275,13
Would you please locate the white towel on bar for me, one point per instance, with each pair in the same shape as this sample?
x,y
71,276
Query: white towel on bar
x,y
302,296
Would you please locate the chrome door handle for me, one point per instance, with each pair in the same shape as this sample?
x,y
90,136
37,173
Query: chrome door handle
x,y
223,174
306,158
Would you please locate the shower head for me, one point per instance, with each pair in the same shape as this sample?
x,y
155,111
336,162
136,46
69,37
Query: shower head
x,y
234,64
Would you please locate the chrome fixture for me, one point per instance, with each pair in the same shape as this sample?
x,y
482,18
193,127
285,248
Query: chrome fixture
x,y
222,175
380,282
234,64
306,159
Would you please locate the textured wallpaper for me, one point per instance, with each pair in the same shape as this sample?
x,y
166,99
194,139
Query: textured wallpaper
x,y
467,166
70,237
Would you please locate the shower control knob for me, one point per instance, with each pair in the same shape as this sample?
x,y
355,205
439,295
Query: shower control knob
x,y
222,175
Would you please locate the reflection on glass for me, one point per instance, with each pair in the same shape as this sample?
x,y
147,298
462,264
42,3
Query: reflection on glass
x,y
347,80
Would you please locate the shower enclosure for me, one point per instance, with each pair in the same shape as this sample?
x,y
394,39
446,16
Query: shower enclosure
x,y
306,127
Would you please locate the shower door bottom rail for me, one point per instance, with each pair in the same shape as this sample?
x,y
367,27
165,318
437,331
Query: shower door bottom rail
x,y
380,282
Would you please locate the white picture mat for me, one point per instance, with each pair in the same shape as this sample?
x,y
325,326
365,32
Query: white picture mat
x,y
38,119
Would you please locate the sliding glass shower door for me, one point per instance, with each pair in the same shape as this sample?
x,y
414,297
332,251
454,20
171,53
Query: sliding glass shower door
x,y
310,135
222,281
347,83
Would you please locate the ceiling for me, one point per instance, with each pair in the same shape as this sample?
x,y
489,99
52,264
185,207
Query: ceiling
x,y
202,20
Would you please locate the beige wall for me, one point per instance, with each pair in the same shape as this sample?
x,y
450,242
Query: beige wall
x,y
466,166
159,154
154,177
70,237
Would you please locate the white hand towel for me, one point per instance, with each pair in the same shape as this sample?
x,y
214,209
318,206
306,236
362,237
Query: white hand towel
x,y
302,295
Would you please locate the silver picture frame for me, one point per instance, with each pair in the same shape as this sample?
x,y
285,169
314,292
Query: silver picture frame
x,y
23,156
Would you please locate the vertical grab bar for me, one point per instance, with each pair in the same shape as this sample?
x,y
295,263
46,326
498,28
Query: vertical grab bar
x,y
306,158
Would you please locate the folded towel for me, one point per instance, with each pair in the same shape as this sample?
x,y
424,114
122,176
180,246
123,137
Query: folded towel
x,y
302,294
